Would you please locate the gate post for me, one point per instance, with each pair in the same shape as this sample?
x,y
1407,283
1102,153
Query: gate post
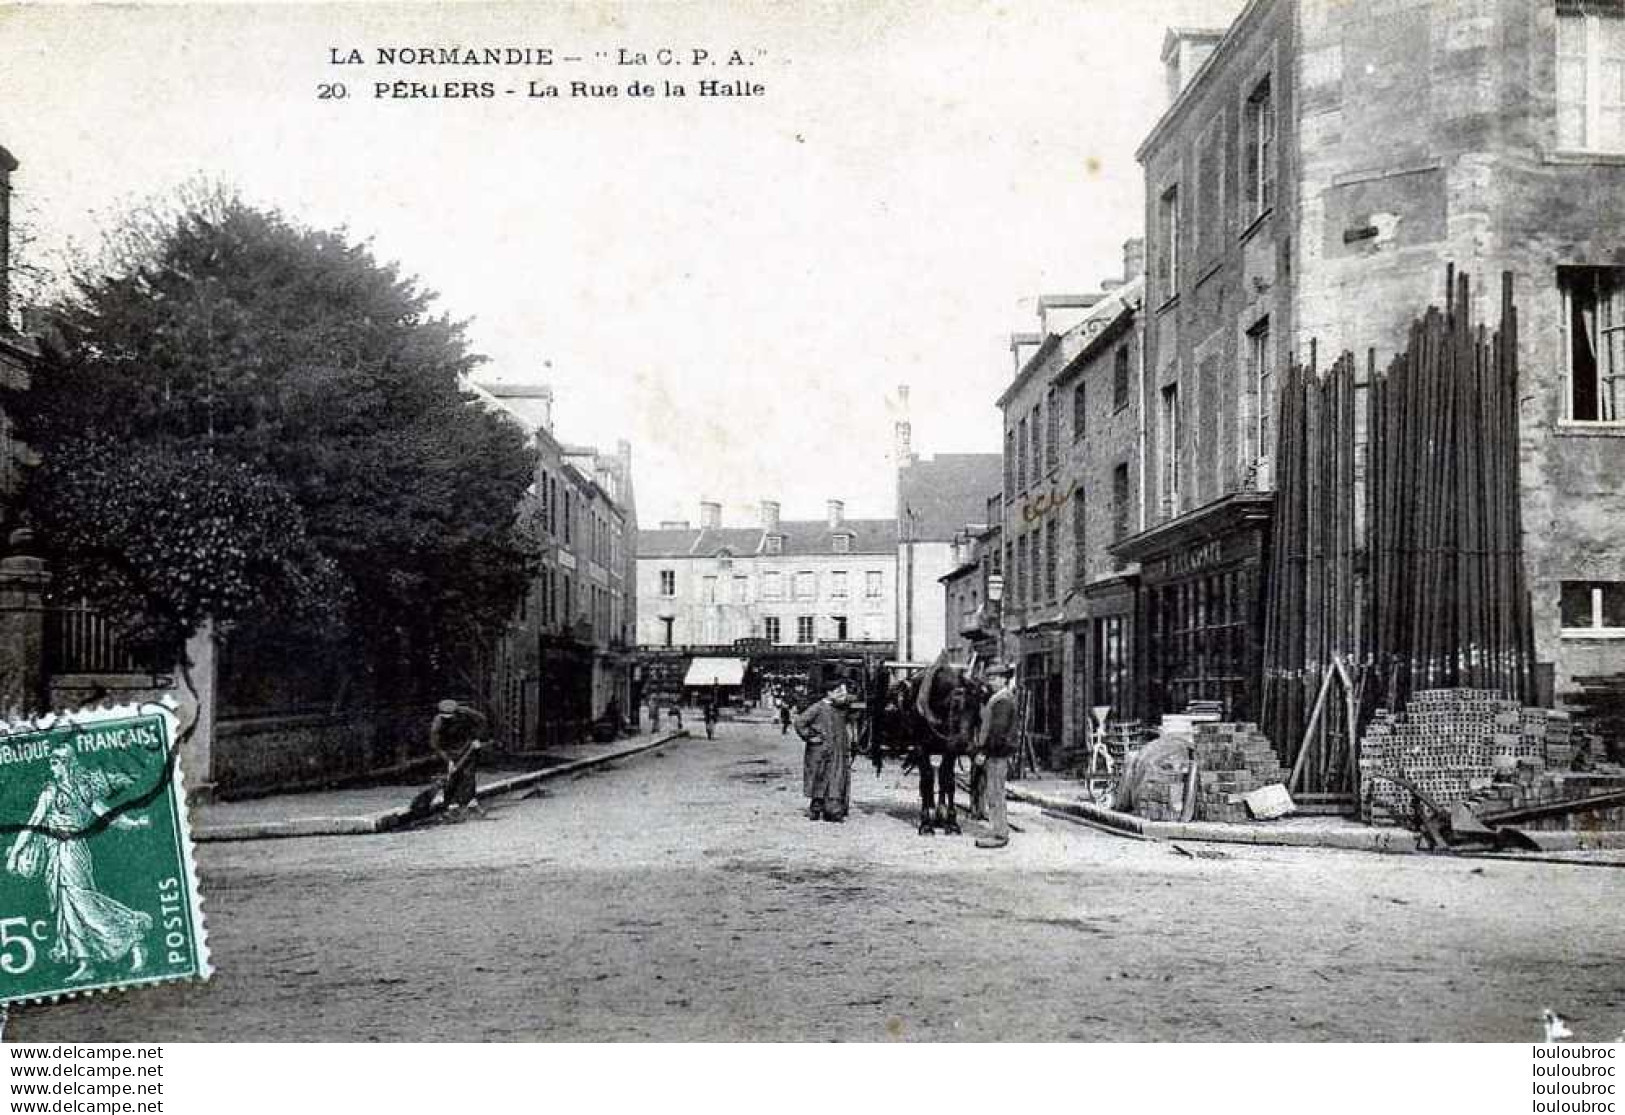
x,y
23,581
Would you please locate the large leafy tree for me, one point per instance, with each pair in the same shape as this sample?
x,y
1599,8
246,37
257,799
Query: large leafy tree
x,y
247,420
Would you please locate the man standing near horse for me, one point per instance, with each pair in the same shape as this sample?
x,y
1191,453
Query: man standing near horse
x,y
826,776
995,743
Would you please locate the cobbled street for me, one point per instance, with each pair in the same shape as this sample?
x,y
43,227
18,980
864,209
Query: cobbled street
x,y
682,895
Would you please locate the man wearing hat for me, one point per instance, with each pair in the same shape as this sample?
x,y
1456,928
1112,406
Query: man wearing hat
x,y
826,777
995,743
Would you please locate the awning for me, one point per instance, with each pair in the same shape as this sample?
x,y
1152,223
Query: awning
x,y
716,671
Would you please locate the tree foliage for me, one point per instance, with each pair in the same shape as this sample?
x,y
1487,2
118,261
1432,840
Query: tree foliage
x,y
282,381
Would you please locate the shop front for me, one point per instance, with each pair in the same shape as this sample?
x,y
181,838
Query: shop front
x,y
1202,606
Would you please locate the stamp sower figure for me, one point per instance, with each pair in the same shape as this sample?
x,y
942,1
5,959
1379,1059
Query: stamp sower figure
x,y
454,736
826,776
91,928
994,746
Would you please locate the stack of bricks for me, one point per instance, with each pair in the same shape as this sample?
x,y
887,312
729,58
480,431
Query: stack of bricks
x,y
1465,745
1232,760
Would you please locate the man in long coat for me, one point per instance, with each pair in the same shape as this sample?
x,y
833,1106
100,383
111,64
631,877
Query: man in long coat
x,y
826,770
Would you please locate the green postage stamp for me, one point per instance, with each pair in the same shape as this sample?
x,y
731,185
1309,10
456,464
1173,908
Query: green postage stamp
x,y
99,889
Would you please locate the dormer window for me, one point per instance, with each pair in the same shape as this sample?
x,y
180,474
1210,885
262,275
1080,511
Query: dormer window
x,y
775,543
843,543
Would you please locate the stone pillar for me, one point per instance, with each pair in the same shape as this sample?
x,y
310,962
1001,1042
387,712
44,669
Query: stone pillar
x,y
23,581
197,757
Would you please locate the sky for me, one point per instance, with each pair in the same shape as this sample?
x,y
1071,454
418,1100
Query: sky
x,y
734,285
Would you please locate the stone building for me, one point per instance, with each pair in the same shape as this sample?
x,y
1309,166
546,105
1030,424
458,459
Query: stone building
x,y
786,601
782,581
936,497
1070,469
568,656
1316,172
971,589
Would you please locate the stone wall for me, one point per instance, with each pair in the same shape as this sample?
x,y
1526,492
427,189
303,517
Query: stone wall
x,y
1428,136
266,754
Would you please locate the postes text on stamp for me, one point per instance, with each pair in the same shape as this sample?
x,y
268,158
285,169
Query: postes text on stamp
x,y
98,889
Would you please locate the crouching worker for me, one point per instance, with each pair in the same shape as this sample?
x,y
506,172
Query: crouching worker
x,y
454,736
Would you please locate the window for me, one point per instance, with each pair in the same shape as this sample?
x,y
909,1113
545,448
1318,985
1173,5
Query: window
x,y
1021,457
1012,587
1080,537
741,589
872,583
1120,508
1020,587
1009,463
1052,434
666,623
668,582
839,624
1167,273
1168,445
1207,214
1258,165
804,629
772,587
1258,432
837,583
1120,378
770,628
1594,317
1052,554
1038,442
775,543
1079,411
842,543
709,590
1591,75
806,586
1593,606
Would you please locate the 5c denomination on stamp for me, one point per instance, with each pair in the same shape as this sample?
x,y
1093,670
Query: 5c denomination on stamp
x,y
99,889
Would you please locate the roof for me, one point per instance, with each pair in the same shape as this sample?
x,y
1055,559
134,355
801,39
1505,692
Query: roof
x,y
715,671
1210,64
801,537
940,494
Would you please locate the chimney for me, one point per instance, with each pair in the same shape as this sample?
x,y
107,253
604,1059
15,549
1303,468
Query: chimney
x,y
903,430
7,165
1184,49
1133,258
837,514
1059,312
770,516
532,402
1022,347
710,515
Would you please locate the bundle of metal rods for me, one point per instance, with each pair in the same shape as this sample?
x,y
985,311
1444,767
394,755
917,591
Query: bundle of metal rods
x,y
1449,598
1411,574
1313,606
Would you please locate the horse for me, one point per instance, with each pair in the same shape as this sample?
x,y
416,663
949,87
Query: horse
x,y
932,715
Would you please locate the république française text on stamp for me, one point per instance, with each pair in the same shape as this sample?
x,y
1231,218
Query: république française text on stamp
x,y
99,890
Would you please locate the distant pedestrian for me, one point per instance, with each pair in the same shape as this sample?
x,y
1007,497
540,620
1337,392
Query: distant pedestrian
x,y
677,715
784,714
454,736
711,717
826,776
994,745
654,718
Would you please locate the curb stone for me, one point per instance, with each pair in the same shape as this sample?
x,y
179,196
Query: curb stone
x,y
365,824
1387,840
